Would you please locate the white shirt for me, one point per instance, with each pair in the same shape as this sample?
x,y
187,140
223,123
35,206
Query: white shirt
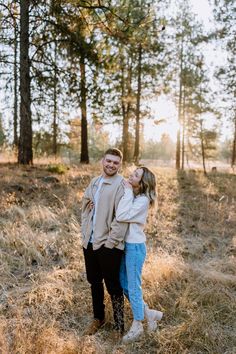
x,y
133,210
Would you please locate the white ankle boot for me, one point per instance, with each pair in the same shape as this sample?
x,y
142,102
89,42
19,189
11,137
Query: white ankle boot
x,y
152,317
135,332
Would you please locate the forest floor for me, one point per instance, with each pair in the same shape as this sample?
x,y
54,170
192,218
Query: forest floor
x,y
189,274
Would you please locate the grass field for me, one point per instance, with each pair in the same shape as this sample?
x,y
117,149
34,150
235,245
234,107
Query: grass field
x,y
189,273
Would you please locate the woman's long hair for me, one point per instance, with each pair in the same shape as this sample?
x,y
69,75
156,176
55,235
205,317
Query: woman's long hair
x,y
148,185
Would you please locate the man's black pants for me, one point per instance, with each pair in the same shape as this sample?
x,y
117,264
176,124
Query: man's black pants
x,y
104,264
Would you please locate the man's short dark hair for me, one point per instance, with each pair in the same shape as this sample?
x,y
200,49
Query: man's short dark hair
x,y
115,152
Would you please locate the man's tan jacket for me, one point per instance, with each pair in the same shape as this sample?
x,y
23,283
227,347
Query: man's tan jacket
x,y
107,230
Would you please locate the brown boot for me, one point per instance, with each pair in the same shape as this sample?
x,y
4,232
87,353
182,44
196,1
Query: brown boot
x,y
93,327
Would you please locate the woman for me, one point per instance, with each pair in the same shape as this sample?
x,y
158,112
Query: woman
x,y
140,192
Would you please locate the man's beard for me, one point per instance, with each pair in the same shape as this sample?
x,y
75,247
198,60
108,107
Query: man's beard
x,y
109,172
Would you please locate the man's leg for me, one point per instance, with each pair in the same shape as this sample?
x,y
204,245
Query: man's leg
x,y
118,311
110,261
95,278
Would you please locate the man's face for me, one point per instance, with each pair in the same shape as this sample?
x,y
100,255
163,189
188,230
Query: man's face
x,y
111,164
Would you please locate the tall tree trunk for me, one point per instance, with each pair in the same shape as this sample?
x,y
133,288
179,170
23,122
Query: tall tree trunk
x,y
137,126
233,159
203,148
183,132
178,148
129,104
15,114
125,125
25,151
55,126
178,142
84,157
126,108
187,139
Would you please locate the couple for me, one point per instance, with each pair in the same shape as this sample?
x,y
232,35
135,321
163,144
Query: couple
x,y
114,212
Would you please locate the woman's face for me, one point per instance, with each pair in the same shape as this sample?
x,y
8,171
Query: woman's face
x,y
135,177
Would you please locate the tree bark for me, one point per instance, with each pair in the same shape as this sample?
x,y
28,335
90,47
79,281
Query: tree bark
x,y
233,159
183,132
126,107
178,142
25,151
84,157
137,126
15,114
178,147
54,147
203,149
125,126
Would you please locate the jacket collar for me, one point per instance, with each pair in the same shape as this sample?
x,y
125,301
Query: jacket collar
x,y
108,180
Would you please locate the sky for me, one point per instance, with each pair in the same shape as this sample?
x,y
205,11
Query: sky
x,y
203,11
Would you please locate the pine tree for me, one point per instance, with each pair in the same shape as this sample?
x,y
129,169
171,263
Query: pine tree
x,y
134,69
9,59
226,32
25,152
185,38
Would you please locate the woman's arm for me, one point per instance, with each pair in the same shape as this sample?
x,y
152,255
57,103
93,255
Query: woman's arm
x,y
132,210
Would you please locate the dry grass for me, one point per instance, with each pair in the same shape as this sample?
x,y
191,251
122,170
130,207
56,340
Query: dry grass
x,y
189,274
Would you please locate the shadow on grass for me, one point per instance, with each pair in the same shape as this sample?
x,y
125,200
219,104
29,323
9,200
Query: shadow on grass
x,y
205,216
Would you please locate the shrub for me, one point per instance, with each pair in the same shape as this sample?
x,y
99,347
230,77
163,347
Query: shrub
x,y
59,168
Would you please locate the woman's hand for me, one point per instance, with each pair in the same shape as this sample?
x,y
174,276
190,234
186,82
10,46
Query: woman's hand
x,y
126,184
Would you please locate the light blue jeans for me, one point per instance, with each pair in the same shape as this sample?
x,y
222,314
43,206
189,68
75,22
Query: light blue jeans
x,y
131,277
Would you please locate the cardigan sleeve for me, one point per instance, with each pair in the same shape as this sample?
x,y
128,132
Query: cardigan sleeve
x,y
118,229
132,210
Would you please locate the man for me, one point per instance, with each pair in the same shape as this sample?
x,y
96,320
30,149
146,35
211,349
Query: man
x,y
103,240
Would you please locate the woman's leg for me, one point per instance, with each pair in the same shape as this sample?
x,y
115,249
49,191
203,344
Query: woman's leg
x,y
135,255
134,258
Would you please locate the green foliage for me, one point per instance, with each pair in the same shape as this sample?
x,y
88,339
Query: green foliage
x,y
225,150
125,66
98,141
57,168
210,139
163,150
206,139
42,143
